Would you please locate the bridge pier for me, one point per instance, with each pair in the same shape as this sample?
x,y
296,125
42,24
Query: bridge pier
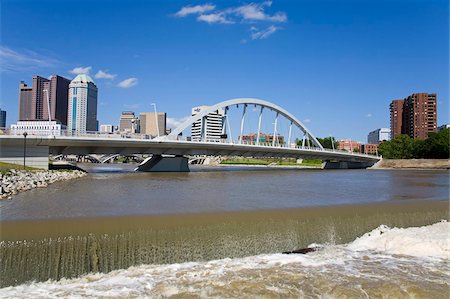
x,y
159,163
345,165
13,151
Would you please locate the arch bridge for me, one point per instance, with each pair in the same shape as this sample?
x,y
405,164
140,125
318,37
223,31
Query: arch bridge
x,y
213,138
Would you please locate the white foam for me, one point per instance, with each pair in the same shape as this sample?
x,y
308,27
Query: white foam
x,y
197,277
425,241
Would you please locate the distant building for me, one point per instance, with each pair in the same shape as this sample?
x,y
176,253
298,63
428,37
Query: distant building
x,y
82,107
2,118
443,127
263,139
211,129
148,123
25,95
37,127
415,116
34,101
375,137
107,129
349,145
128,122
396,109
369,149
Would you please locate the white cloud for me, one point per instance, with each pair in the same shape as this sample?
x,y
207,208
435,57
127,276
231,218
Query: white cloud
x,y
214,18
265,33
255,12
81,70
248,13
197,9
369,115
175,122
24,60
127,83
104,75
307,120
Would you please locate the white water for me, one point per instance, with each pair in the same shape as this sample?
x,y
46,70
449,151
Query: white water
x,y
392,262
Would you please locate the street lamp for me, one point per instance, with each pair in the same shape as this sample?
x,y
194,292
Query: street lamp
x,y
156,118
24,148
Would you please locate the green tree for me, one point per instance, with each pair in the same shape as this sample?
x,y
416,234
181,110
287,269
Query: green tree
x,y
437,145
328,142
401,147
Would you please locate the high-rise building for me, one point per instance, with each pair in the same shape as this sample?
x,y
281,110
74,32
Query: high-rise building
x,y
148,123
379,135
25,95
415,116
82,107
419,115
128,123
34,101
2,118
210,128
396,109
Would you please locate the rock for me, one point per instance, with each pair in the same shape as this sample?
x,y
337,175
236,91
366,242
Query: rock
x,y
302,250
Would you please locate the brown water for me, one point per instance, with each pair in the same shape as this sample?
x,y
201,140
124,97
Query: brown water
x,y
115,220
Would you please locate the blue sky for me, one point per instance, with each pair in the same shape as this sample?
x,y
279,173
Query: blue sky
x,y
336,65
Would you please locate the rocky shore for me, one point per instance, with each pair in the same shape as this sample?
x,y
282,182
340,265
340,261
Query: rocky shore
x,y
15,181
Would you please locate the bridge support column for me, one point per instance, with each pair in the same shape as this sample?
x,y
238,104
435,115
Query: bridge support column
x,y
158,163
345,165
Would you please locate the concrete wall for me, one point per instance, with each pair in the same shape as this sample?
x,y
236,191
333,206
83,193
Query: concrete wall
x,y
12,151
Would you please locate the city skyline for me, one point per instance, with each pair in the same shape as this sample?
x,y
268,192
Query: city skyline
x,y
332,65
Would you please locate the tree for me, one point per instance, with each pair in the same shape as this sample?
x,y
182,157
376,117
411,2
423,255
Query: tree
x,y
401,147
328,142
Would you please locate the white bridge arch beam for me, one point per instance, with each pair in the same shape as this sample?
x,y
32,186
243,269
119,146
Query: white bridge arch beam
x,y
242,101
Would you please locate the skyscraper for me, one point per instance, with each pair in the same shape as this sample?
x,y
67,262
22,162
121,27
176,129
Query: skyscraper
x,y
33,103
419,115
396,109
211,128
2,118
415,116
82,107
25,94
148,123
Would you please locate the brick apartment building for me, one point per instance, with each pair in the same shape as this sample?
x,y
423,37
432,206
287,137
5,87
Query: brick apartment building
x,y
415,116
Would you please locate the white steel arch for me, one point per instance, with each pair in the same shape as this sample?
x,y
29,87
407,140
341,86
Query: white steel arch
x,y
245,101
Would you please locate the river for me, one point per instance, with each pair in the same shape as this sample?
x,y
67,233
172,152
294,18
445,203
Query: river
x,y
219,232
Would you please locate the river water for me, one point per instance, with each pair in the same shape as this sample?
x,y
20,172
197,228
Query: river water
x,y
219,232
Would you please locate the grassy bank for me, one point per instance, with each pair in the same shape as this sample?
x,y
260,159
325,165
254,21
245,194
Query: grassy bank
x,y
5,167
280,162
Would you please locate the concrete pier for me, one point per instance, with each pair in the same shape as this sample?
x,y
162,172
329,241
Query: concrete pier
x,y
159,163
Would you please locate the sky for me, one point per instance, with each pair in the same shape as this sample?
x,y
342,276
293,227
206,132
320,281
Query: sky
x,y
335,65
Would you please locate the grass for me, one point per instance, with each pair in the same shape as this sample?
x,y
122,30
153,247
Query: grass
x,y
281,162
5,167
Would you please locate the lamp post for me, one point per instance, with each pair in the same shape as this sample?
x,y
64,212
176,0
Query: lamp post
x,y
24,148
156,118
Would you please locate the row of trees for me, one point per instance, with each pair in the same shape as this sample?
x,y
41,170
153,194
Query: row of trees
x,y
404,147
327,142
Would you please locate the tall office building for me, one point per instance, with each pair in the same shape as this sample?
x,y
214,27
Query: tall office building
x,y
415,116
210,128
33,104
149,126
2,118
82,106
25,94
128,123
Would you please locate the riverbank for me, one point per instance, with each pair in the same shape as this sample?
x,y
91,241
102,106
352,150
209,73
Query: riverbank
x,y
14,181
412,164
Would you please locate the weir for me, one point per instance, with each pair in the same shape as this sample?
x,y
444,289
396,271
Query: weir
x,y
55,249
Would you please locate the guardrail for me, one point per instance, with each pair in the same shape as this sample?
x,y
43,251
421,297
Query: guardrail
x,y
96,134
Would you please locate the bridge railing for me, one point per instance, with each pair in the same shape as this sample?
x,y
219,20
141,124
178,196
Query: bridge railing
x,y
96,134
